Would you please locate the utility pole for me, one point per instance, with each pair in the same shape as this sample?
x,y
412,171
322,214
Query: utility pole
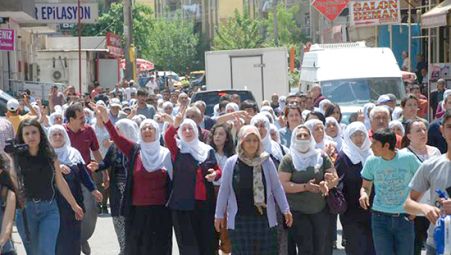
x,y
276,30
128,33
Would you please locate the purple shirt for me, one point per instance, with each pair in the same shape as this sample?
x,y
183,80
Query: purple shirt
x,y
227,199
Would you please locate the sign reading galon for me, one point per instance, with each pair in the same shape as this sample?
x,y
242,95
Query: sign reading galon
x,y
7,39
373,13
66,12
330,8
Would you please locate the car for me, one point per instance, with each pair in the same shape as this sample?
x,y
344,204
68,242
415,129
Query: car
x,y
211,97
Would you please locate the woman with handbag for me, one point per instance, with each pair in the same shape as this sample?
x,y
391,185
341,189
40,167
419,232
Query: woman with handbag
x,y
355,220
307,174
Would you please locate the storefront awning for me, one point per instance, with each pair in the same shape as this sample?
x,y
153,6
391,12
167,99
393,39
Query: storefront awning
x,y
437,16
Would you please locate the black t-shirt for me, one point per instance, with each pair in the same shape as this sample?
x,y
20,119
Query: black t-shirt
x,y
243,183
38,177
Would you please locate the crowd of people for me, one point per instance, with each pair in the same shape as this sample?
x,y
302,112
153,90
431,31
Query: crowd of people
x,y
248,180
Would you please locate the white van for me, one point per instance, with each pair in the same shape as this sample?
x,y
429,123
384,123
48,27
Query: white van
x,y
351,74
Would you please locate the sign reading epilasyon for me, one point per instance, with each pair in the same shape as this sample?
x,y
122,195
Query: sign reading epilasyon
x,y
66,12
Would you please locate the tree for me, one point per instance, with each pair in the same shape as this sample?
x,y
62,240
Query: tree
x,y
289,33
173,44
240,31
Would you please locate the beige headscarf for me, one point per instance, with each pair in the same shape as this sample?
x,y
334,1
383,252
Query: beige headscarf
x,y
256,163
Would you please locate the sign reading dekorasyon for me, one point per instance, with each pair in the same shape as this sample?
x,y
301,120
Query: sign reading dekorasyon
x,y
374,13
66,12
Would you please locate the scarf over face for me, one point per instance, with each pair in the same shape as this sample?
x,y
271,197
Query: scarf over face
x,y
310,158
256,164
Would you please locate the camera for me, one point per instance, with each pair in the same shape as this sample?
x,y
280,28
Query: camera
x,y
11,147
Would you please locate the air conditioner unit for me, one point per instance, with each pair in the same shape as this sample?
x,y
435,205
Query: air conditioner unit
x,y
58,75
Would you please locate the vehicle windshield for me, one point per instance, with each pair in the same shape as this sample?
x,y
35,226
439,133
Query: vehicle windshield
x,y
360,91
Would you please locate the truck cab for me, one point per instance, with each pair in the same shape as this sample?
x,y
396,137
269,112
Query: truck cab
x,y
351,74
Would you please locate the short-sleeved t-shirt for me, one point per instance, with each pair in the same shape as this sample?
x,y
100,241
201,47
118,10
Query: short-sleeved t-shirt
x,y
305,202
391,179
84,141
433,174
148,111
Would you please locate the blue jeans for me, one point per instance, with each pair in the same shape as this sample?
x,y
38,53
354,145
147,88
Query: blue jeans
x,y
43,221
392,234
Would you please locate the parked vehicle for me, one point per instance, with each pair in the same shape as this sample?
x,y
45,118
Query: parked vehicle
x,y
211,97
351,74
262,71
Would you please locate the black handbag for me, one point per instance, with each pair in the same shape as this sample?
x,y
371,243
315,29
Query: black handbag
x,y
336,201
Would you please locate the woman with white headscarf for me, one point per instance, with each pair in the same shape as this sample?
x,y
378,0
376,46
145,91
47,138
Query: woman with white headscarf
x,y
231,107
307,174
118,164
147,219
366,113
248,195
276,151
397,127
324,105
69,235
355,221
192,199
333,130
322,141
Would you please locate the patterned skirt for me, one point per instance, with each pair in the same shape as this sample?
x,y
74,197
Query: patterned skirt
x,y
253,236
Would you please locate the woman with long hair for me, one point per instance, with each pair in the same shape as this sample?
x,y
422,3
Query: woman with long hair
x,y
248,196
69,236
415,141
38,173
148,226
356,221
293,118
8,201
192,199
221,140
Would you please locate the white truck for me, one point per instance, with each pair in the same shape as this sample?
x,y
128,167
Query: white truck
x,y
262,71
351,74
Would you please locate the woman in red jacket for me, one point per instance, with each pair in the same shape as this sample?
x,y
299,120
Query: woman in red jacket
x,y
148,227
192,198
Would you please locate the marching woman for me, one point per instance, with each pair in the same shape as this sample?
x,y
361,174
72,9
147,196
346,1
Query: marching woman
x,y
148,225
38,174
221,140
356,221
8,200
75,174
117,162
307,174
415,141
276,152
248,195
192,199
333,130
293,118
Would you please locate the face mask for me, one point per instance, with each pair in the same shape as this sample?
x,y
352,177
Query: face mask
x,y
302,145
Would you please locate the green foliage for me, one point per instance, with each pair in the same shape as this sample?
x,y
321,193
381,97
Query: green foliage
x,y
172,44
289,33
239,32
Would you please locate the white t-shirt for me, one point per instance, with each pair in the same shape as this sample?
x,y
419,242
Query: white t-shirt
x,y
128,93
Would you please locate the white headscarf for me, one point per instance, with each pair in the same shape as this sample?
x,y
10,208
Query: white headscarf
x,y
366,109
337,139
310,124
232,106
354,153
66,154
153,155
128,128
396,123
53,116
310,158
322,104
269,145
196,148
273,127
